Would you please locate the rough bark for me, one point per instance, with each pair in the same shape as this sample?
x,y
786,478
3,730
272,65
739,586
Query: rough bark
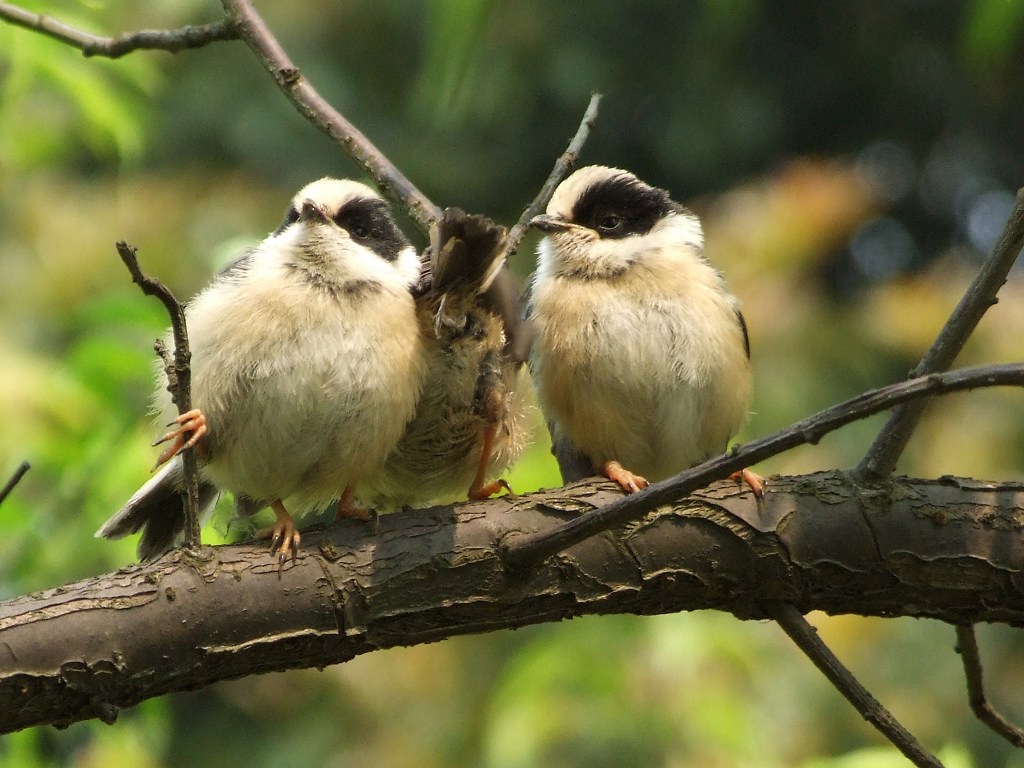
x,y
948,549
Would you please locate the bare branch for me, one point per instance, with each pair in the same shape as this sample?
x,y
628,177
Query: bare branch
x,y
170,40
524,550
563,165
254,31
14,480
967,647
807,640
179,379
885,451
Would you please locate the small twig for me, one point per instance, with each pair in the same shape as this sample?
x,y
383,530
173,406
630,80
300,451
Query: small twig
x,y
180,384
807,640
522,549
967,647
881,458
565,163
254,31
15,479
171,40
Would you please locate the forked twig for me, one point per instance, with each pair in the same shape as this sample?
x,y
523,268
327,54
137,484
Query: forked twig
x,y
179,377
967,647
881,458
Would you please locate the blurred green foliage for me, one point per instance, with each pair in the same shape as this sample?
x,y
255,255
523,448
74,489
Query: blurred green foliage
x,y
851,161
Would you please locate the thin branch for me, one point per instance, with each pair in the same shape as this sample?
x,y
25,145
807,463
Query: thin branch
x,y
807,640
881,458
967,647
254,31
171,40
520,551
179,376
563,165
15,479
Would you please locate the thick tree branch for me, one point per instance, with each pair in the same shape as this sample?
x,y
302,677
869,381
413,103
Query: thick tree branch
x,y
254,31
881,458
967,647
806,639
947,549
179,379
527,549
171,40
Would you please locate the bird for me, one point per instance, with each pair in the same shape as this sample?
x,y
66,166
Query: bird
x,y
641,357
306,367
472,419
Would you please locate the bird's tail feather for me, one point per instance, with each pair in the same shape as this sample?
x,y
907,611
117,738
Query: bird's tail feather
x,y
158,509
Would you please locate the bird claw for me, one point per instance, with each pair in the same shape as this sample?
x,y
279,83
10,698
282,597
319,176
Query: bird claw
x,y
284,537
193,422
758,485
347,508
627,481
480,492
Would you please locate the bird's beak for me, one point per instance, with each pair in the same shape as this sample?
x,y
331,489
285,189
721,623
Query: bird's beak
x,y
549,222
312,211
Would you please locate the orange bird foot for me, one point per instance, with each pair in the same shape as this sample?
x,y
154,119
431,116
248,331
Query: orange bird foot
x,y
191,421
758,485
479,489
347,508
478,492
629,482
284,536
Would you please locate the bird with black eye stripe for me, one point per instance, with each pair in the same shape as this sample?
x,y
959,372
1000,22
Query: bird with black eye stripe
x,y
306,367
641,356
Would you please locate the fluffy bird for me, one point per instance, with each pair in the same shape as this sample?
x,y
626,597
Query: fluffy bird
x,y
306,367
471,420
641,357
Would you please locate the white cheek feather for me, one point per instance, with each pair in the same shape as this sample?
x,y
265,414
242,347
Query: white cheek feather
x,y
408,266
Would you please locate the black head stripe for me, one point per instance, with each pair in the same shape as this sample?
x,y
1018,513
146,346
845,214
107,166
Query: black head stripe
x,y
368,221
290,217
624,199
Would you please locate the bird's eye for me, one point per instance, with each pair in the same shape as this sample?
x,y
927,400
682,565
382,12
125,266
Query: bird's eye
x,y
610,223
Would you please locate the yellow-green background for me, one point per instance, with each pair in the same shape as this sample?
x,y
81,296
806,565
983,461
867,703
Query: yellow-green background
x,y
851,161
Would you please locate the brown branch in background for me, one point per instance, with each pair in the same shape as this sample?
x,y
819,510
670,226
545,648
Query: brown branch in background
x,y
15,479
563,165
243,22
967,647
881,458
254,31
171,40
179,376
806,638
523,550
